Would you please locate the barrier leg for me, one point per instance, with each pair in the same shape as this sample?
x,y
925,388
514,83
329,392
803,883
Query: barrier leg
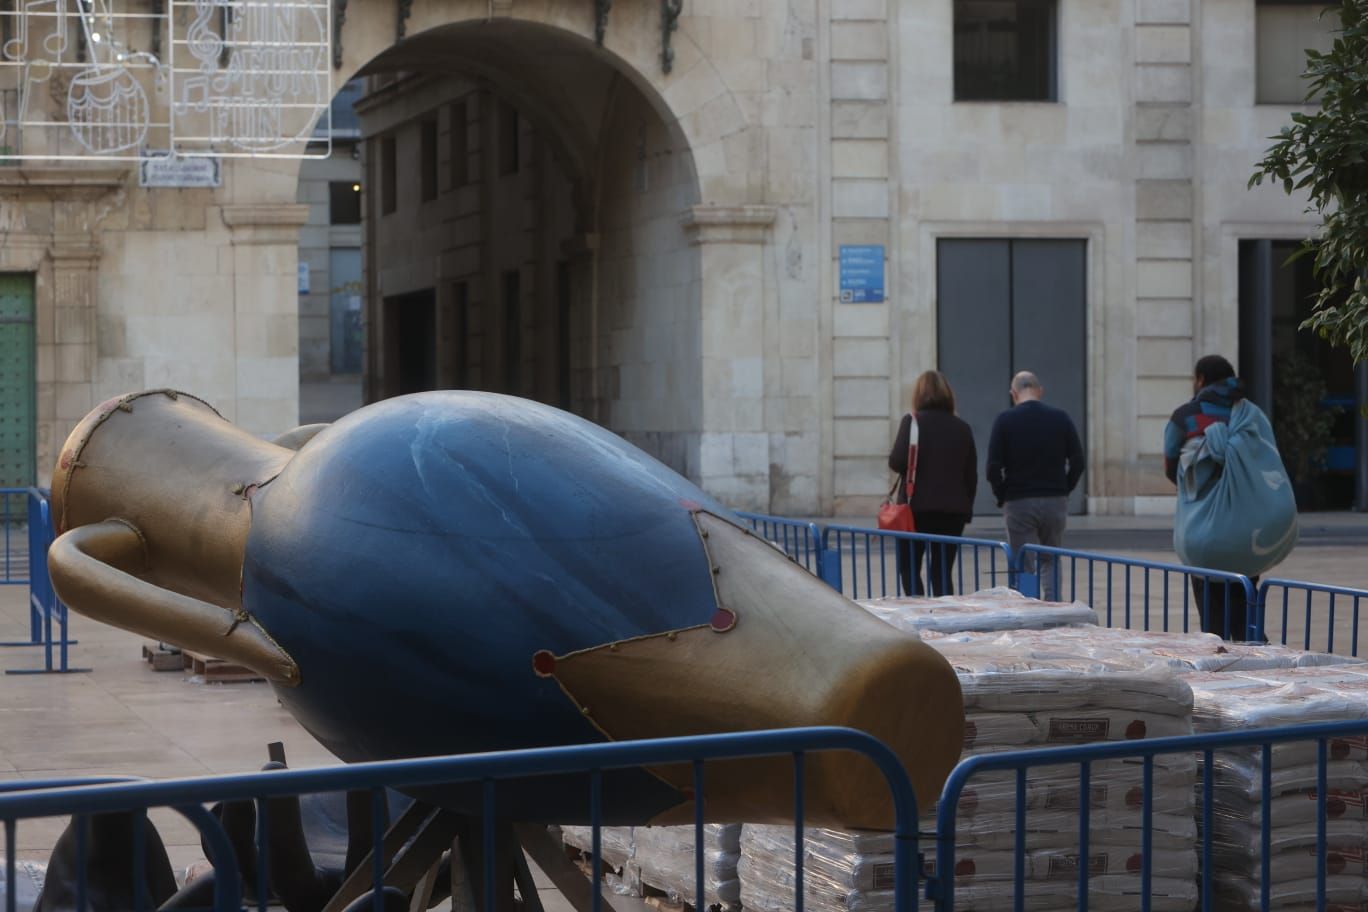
x,y
63,643
829,567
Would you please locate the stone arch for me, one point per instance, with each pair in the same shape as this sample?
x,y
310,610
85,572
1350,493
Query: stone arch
x,y
693,98
670,345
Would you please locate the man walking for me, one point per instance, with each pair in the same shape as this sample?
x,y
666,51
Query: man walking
x,y
1035,460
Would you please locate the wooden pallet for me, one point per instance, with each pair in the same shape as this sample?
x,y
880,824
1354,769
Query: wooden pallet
x,y
217,671
162,657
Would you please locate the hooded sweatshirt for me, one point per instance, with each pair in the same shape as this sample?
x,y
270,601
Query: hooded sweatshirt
x,y
1210,406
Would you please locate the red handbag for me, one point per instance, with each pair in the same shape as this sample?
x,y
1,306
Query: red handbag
x,y
897,517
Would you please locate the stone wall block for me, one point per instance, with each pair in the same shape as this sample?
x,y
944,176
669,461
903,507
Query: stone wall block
x,y
1163,44
1163,278
1163,123
1155,82
859,119
859,81
1163,11
1163,199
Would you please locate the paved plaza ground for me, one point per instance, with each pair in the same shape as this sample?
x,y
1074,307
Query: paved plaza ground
x,y
122,717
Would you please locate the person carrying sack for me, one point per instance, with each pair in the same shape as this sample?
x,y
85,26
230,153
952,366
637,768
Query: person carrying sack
x,y
937,466
1236,511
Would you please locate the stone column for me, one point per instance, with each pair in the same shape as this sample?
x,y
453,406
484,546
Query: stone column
x,y
1167,303
733,448
265,256
75,265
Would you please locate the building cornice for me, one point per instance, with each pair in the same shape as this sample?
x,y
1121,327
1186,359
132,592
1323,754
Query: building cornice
x,y
265,215
728,224
63,181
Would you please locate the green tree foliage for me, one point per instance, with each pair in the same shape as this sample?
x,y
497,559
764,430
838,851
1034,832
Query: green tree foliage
x,y
1325,153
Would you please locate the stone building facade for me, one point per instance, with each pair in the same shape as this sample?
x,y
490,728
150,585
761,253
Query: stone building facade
x,y
647,228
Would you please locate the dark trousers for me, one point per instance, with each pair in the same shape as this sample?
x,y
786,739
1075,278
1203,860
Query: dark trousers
x,y
1212,606
941,573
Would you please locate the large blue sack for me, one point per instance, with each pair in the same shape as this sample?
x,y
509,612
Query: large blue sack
x,y
1236,510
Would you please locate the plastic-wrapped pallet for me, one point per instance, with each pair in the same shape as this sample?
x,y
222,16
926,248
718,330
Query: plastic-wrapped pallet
x,y
615,843
1182,652
28,884
1020,692
1025,697
1016,699
665,858
989,609
1260,699
842,870
854,872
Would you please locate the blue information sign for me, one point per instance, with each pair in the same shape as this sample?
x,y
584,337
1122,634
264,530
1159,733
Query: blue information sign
x,y
862,273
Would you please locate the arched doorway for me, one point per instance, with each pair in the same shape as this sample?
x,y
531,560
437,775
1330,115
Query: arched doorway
x,y
521,211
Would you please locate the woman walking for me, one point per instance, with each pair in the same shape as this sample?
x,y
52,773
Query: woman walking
x,y
944,481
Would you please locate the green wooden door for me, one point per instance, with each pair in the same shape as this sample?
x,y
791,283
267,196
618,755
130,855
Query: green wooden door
x,y
17,459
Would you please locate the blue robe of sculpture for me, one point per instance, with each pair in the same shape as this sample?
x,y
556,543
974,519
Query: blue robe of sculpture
x,y
414,557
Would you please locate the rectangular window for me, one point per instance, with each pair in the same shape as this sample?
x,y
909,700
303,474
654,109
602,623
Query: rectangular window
x,y
460,150
1005,50
563,303
427,154
509,154
344,203
389,176
512,331
1283,33
462,298
411,340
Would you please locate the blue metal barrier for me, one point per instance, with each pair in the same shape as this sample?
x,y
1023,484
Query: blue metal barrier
x,y
1105,578
188,797
45,609
800,540
1318,603
942,887
863,563
15,570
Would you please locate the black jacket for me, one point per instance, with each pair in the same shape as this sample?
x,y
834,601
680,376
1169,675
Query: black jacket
x,y
1034,451
947,464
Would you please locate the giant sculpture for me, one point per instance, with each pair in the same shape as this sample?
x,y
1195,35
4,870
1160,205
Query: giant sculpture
x,y
452,572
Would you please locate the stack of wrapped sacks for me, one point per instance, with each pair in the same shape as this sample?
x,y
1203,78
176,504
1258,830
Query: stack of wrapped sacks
x,y
1181,652
665,860
1261,699
1017,700
1019,696
662,858
616,851
841,870
989,609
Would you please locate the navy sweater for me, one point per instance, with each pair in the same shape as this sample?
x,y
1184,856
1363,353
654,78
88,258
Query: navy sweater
x,y
1034,451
